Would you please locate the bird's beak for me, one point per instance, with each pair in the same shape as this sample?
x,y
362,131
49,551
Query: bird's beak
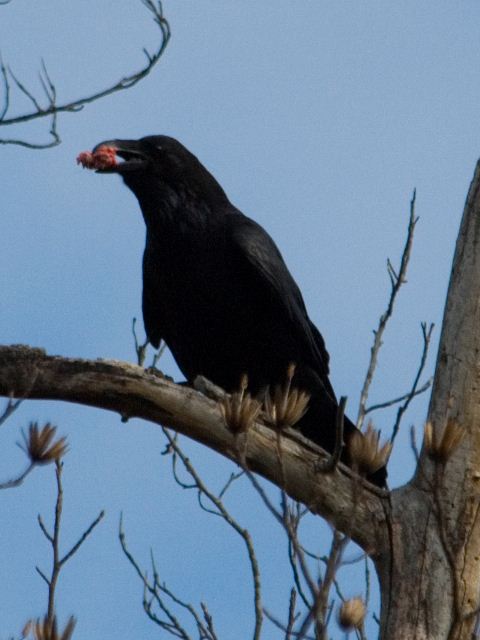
x,y
129,151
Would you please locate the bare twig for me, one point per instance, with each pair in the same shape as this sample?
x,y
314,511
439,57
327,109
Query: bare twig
x,y
16,482
51,96
413,444
25,91
318,613
157,355
290,521
11,406
52,108
319,605
296,575
82,538
355,560
54,540
263,495
396,281
313,556
389,403
292,616
141,349
154,594
286,628
208,619
233,477
6,89
426,334
222,511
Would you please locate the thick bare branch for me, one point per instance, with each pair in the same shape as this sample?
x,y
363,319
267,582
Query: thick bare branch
x,y
131,391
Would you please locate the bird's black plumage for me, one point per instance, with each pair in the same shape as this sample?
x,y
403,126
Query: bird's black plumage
x,y
216,288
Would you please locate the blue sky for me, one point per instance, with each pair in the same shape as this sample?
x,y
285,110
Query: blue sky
x,y
319,119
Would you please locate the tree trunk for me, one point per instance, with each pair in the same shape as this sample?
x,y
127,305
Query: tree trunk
x,y
429,572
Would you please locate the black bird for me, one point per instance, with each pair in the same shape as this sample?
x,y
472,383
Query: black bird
x,y
215,286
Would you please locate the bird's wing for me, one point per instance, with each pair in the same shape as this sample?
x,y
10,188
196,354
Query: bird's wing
x,y
268,273
151,300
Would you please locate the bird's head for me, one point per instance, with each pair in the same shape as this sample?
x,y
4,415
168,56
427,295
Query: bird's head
x,y
153,164
134,156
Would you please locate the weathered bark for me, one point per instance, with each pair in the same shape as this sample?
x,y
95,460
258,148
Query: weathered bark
x,y
429,573
351,505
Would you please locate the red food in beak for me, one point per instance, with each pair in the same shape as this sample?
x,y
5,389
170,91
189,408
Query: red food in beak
x,y
103,158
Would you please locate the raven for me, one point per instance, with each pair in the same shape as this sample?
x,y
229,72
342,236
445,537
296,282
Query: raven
x,y
215,286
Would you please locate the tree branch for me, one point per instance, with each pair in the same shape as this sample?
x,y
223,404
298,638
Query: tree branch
x,y
396,282
52,109
133,392
427,334
230,520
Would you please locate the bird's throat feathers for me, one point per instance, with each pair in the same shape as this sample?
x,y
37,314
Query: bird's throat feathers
x,y
165,207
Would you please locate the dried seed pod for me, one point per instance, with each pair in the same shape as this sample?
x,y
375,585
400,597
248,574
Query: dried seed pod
x,y
285,406
47,629
239,409
365,451
39,445
440,446
351,614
